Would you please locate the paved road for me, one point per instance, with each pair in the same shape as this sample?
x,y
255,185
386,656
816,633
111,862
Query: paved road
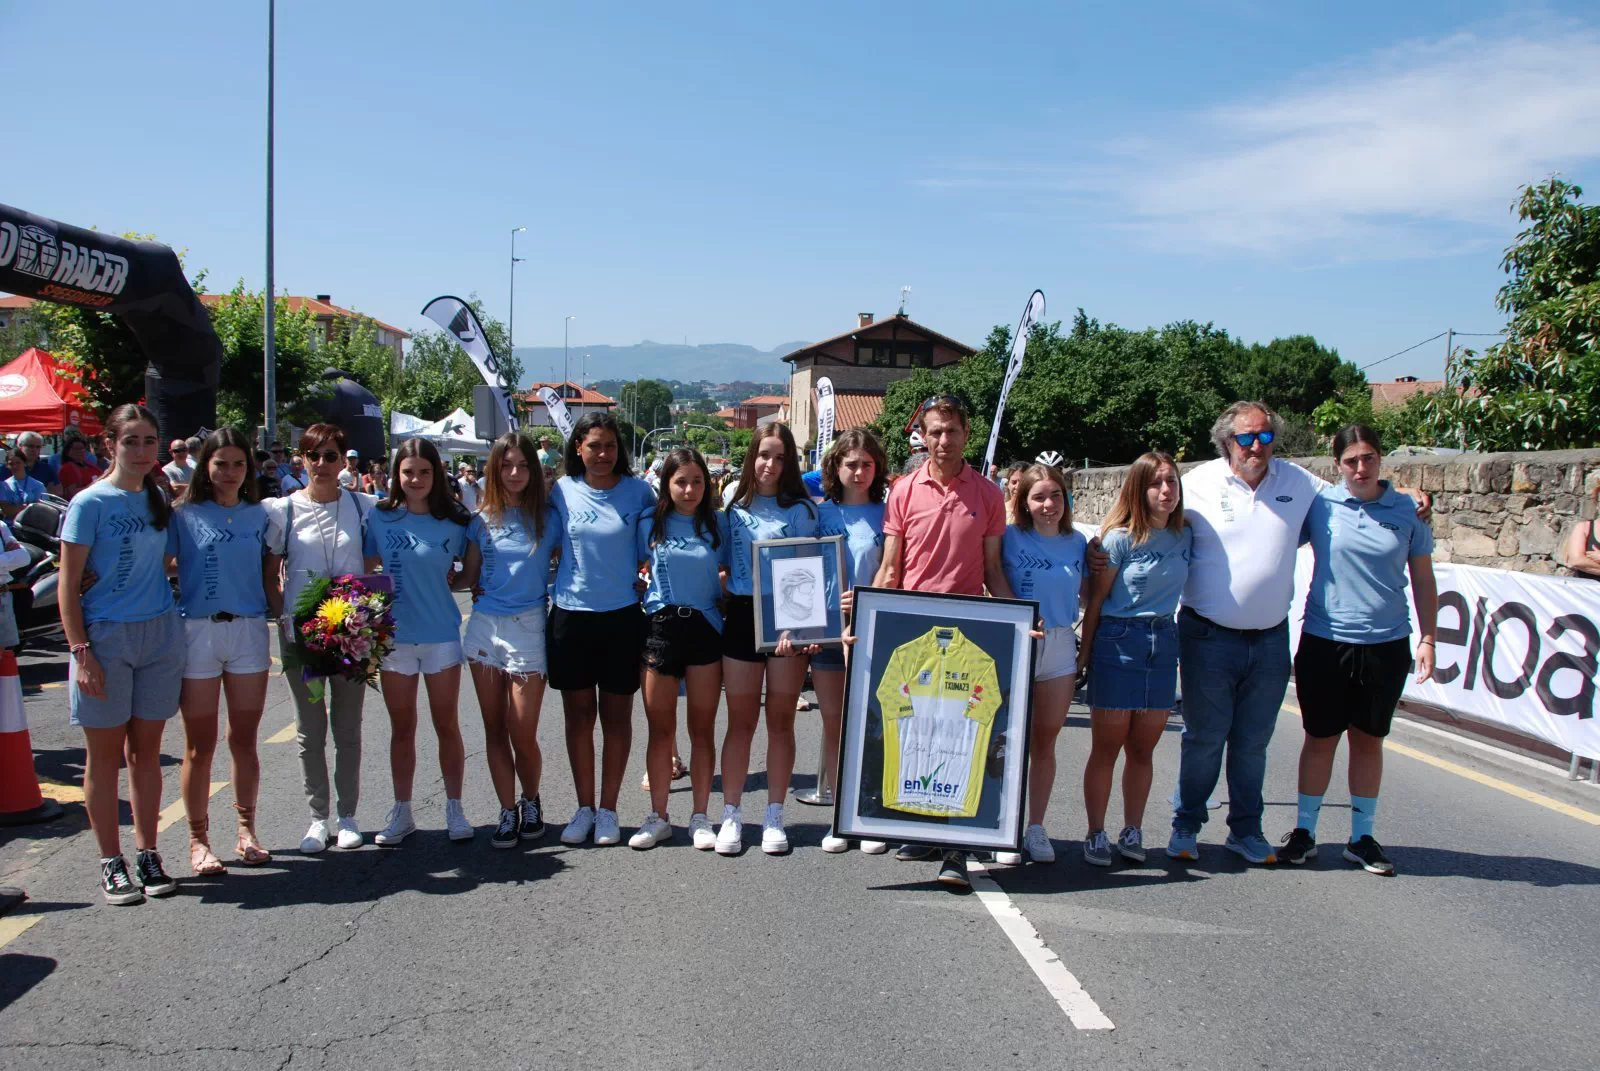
x,y
1482,954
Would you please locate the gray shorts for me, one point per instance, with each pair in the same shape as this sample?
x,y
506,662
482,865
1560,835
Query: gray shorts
x,y
143,663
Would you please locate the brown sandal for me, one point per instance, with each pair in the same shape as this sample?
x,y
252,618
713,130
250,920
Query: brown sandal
x,y
202,860
251,853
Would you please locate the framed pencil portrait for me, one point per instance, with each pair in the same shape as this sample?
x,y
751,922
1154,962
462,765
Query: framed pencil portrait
x,y
937,712
797,585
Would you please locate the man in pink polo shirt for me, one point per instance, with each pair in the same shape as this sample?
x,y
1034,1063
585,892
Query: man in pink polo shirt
x,y
941,532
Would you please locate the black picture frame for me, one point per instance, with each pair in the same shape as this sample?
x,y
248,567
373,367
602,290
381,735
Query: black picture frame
x,y
826,582
901,632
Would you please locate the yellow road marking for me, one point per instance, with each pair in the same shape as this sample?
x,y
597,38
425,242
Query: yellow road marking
x,y
1525,794
283,735
61,793
174,811
14,926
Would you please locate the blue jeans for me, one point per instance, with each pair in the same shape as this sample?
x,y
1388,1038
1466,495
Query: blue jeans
x,y
1233,687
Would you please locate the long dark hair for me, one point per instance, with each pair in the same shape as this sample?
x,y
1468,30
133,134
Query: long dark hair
x,y
705,514
200,483
120,418
573,462
790,488
497,501
1350,434
855,439
440,504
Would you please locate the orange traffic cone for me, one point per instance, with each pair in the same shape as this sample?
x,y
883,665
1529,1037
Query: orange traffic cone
x,y
21,802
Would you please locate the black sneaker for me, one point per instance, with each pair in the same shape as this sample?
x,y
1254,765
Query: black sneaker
x,y
1298,846
910,853
152,875
505,833
532,827
1368,854
953,871
116,884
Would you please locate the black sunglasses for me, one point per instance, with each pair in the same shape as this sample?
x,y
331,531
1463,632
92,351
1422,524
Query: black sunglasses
x,y
326,455
959,403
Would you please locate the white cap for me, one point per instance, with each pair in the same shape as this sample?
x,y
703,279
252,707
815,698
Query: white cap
x,y
352,453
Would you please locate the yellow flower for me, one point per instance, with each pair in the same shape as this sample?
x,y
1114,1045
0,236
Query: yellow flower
x,y
334,611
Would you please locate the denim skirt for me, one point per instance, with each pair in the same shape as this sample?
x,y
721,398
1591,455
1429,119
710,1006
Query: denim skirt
x,y
1134,664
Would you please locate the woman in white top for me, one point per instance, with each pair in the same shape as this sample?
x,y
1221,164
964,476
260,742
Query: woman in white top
x,y
311,533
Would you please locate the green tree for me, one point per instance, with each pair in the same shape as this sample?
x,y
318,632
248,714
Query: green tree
x,y
1293,375
1539,389
239,318
23,331
647,402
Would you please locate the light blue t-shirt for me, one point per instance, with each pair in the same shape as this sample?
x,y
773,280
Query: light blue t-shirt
x,y
1049,570
683,566
862,528
219,551
126,551
1359,581
598,563
1150,576
515,577
764,519
20,493
417,549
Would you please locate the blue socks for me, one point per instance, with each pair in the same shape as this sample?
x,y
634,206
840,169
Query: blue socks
x,y
1310,808
1363,812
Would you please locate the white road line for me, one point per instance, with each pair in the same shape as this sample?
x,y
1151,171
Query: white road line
x,y
1059,982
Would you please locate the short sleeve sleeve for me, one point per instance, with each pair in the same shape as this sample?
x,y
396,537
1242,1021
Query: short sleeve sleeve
x,y
1421,536
724,540
276,535
641,536
894,511
1115,543
369,540
458,539
173,524
807,521
83,517
997,512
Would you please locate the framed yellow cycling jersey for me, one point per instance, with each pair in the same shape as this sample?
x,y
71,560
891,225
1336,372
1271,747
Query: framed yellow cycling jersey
x,y
936,720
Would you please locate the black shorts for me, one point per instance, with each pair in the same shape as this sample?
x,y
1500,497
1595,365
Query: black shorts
x,y
739,630
588,649
1349,685
678,637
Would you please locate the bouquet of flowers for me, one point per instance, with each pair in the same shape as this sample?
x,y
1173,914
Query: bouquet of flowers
x,y
343,627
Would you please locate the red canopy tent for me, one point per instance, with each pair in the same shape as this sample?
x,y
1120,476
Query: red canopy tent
x,y
36,396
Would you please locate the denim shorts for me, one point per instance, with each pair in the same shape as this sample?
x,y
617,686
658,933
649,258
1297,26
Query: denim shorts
x,y
1134,664
143,663
513,643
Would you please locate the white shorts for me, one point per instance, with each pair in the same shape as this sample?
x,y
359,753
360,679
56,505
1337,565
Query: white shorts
x,y
414,658
1056,655
511,642
218,647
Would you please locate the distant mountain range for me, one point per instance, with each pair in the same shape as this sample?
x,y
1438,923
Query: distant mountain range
x,y
718,362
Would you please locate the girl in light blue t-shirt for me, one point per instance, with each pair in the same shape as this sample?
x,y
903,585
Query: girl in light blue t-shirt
x,y
127,647
217,539
855,480
1133,647
415,535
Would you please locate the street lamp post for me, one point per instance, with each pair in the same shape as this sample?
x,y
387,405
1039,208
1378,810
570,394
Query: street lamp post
x,y
584,379
565,332
269,348
511,300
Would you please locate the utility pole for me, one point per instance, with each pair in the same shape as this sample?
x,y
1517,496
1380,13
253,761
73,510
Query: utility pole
x,y
511,300
269,346
1449,342
565,362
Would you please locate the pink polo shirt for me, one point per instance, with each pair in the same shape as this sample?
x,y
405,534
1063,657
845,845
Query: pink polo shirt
x,y
942,529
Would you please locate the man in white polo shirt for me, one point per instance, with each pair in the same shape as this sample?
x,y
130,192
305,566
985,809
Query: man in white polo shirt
x,y
1247,509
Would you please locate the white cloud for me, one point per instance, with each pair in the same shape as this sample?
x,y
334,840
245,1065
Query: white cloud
x,y
1416,151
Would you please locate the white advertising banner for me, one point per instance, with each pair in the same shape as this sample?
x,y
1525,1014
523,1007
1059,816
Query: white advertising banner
x,y
1032,313
557,408
457,318
824,414
1512,649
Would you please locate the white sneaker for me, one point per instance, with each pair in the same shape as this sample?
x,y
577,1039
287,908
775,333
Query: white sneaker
x,y
1008,858
652,831
1036,842
705,838
455,820
399,827
316,838
774,841
350,834
606,829
580,827
730,838
874,847
834,845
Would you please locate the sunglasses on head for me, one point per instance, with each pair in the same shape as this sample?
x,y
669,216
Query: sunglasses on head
x,y
326,455
180,449
1249,438
960,405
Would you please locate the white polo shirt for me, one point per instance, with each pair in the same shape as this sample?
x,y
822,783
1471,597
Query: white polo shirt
x,y
1242,572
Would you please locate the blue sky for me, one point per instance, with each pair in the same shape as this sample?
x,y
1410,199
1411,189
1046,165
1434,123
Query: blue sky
x,y
758,173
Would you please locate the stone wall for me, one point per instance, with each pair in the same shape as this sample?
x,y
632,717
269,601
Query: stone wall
x,y
1507,511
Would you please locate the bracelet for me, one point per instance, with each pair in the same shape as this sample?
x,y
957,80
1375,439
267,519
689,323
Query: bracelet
x,y
79,648
1421,642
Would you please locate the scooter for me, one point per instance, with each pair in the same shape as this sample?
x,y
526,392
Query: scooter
x,y
33,587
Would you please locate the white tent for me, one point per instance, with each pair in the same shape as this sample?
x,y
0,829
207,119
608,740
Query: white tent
x,y
451,434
